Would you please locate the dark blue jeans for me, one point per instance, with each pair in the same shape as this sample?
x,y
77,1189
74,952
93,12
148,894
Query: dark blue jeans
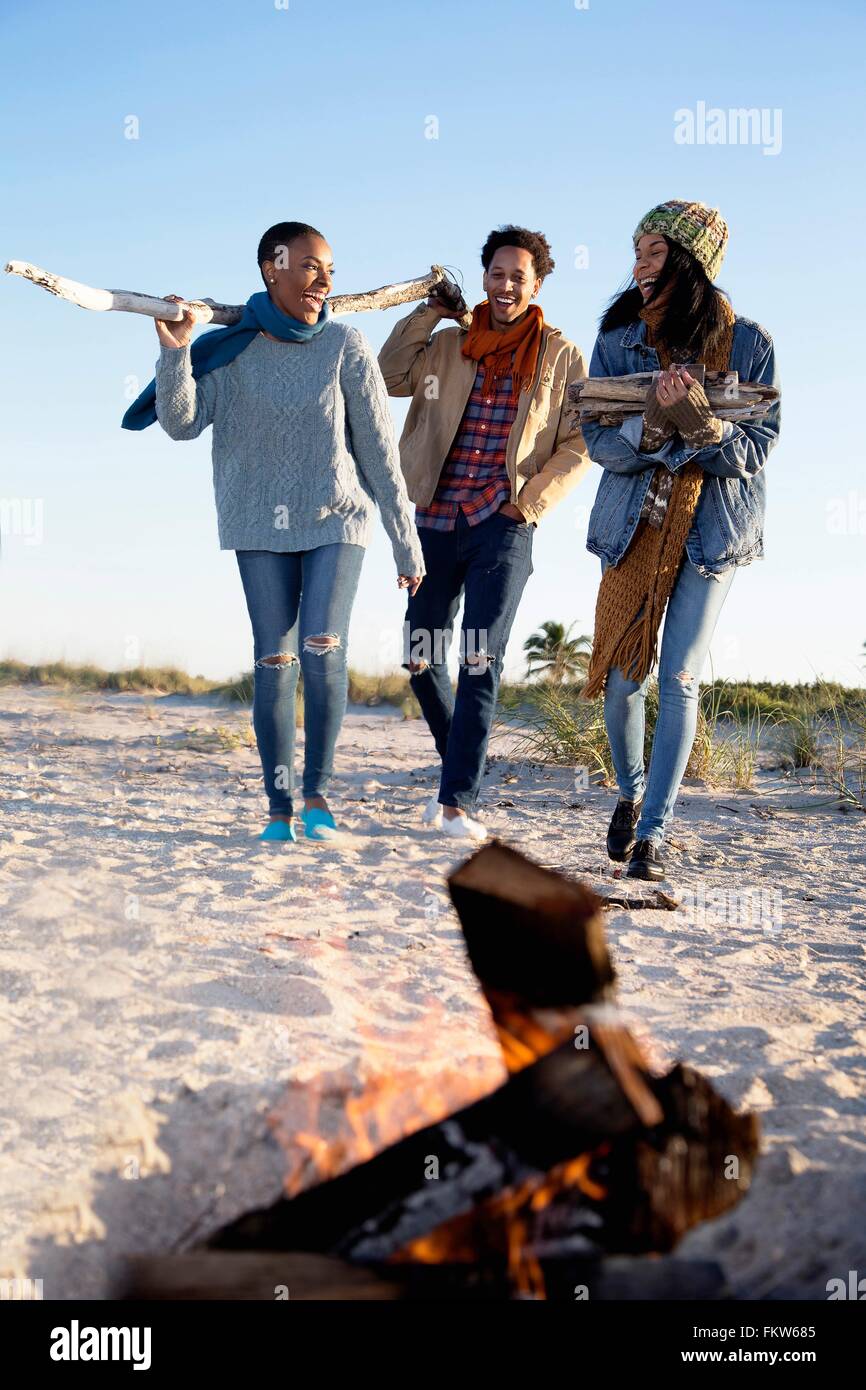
x,y
293,598
488,565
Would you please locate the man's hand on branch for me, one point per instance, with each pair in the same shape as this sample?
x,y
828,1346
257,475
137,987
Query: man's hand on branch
x,y
176,334
447,300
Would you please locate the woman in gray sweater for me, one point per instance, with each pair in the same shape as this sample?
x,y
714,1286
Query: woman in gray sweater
x,y
303,450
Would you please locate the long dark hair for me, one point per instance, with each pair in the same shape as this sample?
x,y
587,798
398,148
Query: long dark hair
x,y
693,318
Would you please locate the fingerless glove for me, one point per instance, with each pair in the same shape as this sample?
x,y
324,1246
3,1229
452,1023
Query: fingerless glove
x,y
657,427
694,419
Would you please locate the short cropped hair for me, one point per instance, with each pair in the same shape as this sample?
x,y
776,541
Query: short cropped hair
x,y
279,236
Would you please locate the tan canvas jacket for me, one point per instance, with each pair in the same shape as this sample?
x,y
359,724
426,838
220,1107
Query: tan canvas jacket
x,y
545,455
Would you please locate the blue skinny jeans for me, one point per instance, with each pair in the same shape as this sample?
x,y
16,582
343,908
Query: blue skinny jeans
x,y
293,598
692,613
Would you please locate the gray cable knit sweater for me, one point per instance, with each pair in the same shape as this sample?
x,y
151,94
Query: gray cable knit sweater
x,y
303,444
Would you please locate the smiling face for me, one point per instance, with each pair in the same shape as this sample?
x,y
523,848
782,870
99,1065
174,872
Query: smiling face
x,y
651,252
300,277
509,283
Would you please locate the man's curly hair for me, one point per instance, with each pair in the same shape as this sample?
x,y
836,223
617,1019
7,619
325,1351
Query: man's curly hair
x,y
535,243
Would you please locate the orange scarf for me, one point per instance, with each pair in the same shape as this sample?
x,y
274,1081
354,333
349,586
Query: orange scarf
x,y
494,350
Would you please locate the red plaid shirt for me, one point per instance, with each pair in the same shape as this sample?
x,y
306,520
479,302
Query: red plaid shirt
x,y
474,476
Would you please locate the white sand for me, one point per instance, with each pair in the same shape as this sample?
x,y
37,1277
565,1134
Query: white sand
x,y
167,982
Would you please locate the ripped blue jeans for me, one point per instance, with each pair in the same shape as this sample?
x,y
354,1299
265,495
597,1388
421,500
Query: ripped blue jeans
x,y
487,564
297,600
692,613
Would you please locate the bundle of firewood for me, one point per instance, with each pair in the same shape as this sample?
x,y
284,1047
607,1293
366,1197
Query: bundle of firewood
x,y
612,399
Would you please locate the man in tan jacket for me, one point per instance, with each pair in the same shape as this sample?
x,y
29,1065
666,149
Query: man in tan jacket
x,y
486,451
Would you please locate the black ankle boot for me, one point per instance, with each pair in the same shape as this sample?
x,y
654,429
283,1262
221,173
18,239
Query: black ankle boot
x,y
620,832
645,861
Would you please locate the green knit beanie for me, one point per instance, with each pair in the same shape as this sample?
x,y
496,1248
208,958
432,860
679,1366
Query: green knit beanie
x,y
699,229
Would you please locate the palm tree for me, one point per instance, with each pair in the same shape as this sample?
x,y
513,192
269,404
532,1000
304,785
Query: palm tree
x,y
555,655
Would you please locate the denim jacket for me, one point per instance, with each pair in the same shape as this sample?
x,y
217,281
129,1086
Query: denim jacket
x,y
728,525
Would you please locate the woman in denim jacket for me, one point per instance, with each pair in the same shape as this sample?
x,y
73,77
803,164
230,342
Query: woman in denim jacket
x,y
679,508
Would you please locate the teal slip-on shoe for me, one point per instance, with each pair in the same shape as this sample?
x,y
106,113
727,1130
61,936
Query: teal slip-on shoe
x,y
315,820
279,830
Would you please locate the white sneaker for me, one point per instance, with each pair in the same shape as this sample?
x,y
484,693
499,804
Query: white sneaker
x,y
432,814
464,828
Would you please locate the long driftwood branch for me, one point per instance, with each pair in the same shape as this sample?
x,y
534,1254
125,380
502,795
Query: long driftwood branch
x,y
209,310
612,399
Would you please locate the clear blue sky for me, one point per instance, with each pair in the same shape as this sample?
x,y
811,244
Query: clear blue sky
x,y
557,117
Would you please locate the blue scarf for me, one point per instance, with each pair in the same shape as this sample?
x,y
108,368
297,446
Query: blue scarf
x,y
221,345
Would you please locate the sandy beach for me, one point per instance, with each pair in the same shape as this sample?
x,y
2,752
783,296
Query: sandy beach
x,y
172,991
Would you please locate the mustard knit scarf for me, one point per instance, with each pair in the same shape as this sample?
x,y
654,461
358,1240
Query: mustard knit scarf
x,y
633,595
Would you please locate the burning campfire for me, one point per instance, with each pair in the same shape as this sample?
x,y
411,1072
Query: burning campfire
x,y
580,1155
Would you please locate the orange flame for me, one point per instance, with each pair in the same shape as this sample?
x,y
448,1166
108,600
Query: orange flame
x,y
337,1129
501,1226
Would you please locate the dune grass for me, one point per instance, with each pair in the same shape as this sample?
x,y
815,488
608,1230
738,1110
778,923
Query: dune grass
x,y
390,689
163,680
800,701
818,728
562,728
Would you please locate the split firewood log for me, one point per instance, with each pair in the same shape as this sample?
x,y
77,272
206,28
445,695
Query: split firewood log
x,y
612,399
241,1277
298,1277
